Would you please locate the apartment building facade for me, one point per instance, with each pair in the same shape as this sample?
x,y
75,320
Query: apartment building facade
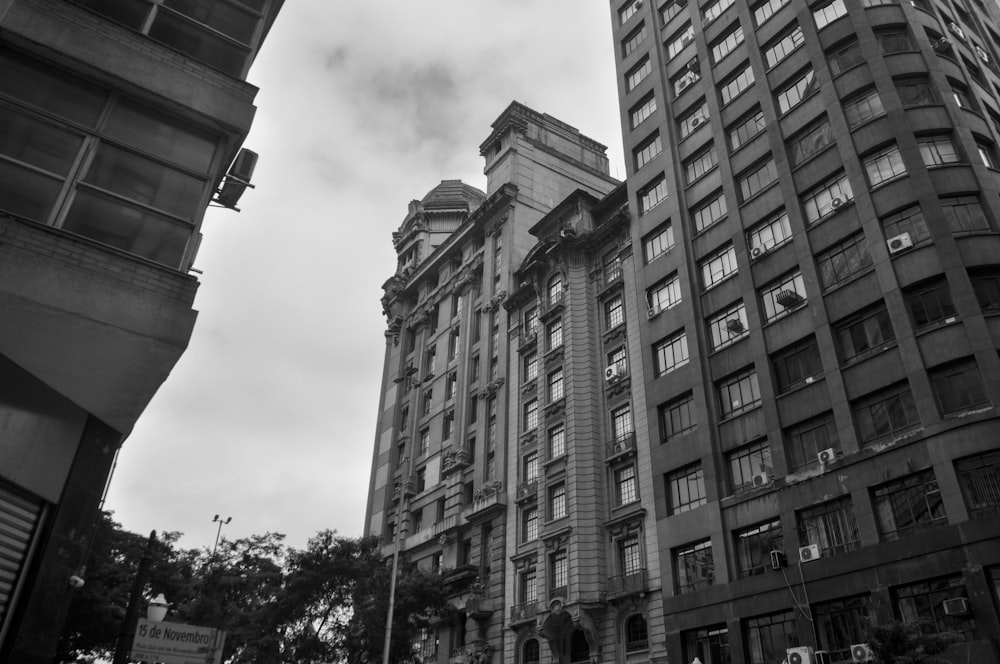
x,y
814,189
118,125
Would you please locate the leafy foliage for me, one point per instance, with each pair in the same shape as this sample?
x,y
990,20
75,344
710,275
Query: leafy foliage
x,y
898,642
278,605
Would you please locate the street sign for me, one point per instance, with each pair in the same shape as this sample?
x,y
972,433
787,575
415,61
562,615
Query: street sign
x,y
174,643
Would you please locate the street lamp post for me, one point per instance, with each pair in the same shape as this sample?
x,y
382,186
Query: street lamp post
x,y
218,533
132,610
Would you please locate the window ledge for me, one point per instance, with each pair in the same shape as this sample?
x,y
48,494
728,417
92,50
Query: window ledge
x,y
760,193
868,354
936,325
850,280
735,416
797,387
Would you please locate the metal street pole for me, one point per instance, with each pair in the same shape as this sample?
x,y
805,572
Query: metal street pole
x,y
395,567
127,634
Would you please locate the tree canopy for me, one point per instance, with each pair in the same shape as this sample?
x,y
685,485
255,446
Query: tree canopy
x,y
277,604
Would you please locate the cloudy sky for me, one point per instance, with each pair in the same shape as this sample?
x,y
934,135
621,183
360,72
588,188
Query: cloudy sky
x,y
269,417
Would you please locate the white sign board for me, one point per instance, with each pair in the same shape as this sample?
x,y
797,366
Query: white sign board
x,y
174,643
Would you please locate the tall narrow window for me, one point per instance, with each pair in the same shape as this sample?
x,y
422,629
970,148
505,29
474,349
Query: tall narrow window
x,y
686,489
831,526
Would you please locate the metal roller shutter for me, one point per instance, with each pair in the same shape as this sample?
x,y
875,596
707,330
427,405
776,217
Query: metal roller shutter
x,y
18,519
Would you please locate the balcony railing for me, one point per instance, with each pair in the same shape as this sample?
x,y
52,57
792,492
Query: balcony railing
x,y
523,612
455,460
624,444
486,499
628,584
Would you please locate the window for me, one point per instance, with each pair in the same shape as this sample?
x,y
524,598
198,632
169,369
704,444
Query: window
x,y
633,40
628,11
448,426
529,595
789,96
531,415
915,92
746,462
910,221
728,326
554,334
677,417
421,487
738,393
652,194
768,234
796,364
828,198
725,45
701,163
424,444
557,502
637,74
987,289
617,359
629,555
964,213
658,242
672,9
557,441
930,303
642,110
559,579
450,385
781,298
530,467
885,414
636,633
987,153
842,623
694,568
665,294
958,387
680,39
428,398
670,353
895,41
761,12
759,177
626,487
718,266
908,505
828,13
714,10
686,489
735,85
529,524
768,637
621,422
555,385
647,150
843,261
863,108
694,119
530,367
847,56
937,150
831,526
925,602
754,546
979,477
689,75
864,333
807,439
884,166
810,142
614,312
745,129
785,44
710,644
709,213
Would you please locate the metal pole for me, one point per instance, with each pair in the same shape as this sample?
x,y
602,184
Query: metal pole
x,y
127,634
395,567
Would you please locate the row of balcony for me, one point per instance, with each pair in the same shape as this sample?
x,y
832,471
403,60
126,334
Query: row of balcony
x,y
619,587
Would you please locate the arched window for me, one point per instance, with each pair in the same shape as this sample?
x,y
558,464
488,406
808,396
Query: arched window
x,y
636,636
579,649
555,290
530,653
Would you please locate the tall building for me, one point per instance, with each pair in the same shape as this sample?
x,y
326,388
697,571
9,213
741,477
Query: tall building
x,y
118,124
815,221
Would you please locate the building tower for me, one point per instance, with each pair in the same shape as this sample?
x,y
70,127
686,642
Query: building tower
x,y
447,455
815,230
118,123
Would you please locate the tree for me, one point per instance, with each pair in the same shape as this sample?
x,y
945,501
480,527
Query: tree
x,y
897,642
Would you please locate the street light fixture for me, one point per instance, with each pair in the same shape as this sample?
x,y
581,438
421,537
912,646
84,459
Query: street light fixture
x,y
157,608
218,532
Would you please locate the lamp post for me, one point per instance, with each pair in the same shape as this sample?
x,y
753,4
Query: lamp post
x,y
135,597
218,533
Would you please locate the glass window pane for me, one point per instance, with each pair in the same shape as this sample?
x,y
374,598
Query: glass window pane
x,y
167,138
125,227
26,193
131,13
69,99
37,143
198,42
145,181
228,19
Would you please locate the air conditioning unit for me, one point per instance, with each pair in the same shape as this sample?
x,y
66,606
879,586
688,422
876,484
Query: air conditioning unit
x,y
778,560
237,179
956,29
956,606
827,456
861,652
698,120
983,55
941,45
757,252
683,84
788,298
687,38
836,203
735,326
760,479
808,553
653,312
613,373
800,655
898,243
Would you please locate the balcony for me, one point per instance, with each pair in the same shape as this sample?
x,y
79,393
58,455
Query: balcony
x,y
406,489
455,461
623,446
480,608
486,501
446,525
527,490
624,585
527,337
522,613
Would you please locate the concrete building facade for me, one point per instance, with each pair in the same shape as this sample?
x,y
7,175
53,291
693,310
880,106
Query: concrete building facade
x,y
118,124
